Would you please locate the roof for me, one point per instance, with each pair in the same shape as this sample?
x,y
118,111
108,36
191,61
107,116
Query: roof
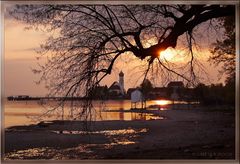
x,y
101,86
176,84
115,85
131,89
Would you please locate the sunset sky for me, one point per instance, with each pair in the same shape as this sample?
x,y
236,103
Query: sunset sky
x,y
19,57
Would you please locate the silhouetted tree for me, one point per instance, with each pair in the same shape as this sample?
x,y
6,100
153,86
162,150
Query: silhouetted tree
x,y
224,51
146,87
214,94
90,38
200,92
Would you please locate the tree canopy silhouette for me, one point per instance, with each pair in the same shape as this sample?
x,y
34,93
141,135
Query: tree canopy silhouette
x,y
90,38
224,51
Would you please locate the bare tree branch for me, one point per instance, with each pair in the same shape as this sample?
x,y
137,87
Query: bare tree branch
x,y
91,38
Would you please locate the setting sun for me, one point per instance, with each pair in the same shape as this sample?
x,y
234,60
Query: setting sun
x,y
167,54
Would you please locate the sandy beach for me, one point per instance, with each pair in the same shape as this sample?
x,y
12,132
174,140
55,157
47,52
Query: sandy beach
x,y
182,134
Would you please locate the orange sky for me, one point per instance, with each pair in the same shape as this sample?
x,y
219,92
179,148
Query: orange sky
x,y
19,58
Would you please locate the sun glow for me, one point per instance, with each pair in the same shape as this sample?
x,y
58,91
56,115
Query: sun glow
x,y
163,102
168,54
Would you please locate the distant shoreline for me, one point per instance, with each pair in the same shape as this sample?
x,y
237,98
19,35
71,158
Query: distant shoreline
x,y
29,98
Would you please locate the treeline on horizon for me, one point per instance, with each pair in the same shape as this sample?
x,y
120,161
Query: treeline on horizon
x,y
214,94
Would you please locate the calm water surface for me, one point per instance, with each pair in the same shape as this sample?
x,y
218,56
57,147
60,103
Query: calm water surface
x,y
28,112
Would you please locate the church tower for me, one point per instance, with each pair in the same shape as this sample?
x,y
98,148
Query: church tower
x,y
121,82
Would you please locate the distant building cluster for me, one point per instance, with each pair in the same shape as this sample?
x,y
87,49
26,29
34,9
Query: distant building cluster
x,y
115,91
175,90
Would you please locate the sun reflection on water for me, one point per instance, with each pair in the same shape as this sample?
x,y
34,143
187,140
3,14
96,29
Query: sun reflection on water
x,y
162,102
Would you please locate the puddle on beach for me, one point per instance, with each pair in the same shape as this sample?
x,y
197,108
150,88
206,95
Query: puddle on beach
x,y
153,117
86,151
104,132
34,153
120,137
38,153
116,143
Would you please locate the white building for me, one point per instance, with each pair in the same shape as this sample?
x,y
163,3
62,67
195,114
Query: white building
x,y
137,97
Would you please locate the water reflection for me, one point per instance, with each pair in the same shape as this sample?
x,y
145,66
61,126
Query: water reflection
x,y
22,113
121,114
50,153
120,137
162,102
145,116
104,132
127,115
33,153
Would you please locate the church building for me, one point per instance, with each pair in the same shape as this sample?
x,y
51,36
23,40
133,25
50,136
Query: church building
x,y
116,90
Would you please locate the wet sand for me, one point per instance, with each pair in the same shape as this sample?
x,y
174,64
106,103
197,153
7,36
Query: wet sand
x,y
182,134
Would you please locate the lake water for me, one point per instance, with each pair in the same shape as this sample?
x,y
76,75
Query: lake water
x,y
28,112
